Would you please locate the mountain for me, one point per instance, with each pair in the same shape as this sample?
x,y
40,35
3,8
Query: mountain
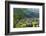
x,y
26,12
31,15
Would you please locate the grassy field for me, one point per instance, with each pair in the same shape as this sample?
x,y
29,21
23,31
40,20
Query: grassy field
x,y
27,22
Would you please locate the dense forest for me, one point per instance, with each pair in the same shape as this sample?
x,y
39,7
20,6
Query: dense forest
x,y
25,17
